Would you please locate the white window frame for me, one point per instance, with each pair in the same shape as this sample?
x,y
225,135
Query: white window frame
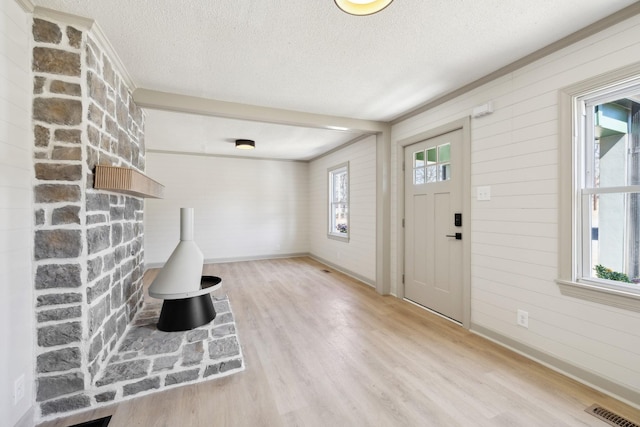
x,y
332,232
571,231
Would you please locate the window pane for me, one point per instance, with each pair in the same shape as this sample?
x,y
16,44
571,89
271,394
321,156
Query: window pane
x,y
340,216
610,161
432,173
444,153
340,187
616,145
418,176
615,247
418,159
445,172
431,156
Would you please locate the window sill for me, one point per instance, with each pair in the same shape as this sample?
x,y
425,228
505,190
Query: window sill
x,y
338,237
621,297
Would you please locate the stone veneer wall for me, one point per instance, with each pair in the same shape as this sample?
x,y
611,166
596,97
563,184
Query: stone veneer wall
x,y
88,244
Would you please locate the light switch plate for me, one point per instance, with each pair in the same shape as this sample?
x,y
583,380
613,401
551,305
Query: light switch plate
x,y
483,193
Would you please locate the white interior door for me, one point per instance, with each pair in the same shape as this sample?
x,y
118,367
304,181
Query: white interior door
x,y
433,237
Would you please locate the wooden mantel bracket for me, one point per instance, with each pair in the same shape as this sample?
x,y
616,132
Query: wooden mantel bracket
x,y
127,181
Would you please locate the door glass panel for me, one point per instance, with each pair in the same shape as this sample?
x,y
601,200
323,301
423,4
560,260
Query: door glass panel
x,y
431,156
438,164
444,153
431,173
445,172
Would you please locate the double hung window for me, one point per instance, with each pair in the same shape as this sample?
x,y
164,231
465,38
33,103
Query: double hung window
x,y
339,202
607,188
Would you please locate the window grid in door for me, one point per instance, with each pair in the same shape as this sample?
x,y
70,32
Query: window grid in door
x,y
432,165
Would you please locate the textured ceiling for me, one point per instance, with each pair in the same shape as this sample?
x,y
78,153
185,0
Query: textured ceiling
x,y
189,133
309,56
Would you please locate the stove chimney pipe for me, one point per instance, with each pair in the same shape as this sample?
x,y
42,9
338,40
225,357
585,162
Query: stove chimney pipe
x,y
181,275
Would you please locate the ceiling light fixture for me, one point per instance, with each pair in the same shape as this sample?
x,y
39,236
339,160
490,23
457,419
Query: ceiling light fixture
x,y
362,7
245,144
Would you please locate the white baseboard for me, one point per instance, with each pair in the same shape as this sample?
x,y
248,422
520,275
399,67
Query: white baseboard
x,y
235,259
28,419
629,396
343,270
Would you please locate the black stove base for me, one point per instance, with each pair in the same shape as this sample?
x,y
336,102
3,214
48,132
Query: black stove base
x,y
102,422
186,314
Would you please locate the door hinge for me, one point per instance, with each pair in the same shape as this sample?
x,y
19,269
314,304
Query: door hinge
x,y
402,222
403,279
402,166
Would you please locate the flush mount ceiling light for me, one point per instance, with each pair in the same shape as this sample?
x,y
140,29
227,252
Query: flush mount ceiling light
x,y
245,144
362,7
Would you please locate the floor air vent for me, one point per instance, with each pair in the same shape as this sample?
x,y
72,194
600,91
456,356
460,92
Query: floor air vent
x,y
610,417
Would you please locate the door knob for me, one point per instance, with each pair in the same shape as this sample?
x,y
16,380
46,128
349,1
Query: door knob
x,y
458,236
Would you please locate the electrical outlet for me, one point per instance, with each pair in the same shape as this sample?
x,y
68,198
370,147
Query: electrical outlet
x,y
18,389
523,319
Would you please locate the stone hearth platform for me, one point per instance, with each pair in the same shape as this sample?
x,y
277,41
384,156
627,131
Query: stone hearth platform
x,y
149,360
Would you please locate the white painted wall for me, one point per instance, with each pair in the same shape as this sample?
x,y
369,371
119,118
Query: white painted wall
x,y
244,208
16,214
358,256
248,208
515,234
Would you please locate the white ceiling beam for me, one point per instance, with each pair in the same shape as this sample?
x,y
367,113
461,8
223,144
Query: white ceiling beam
x,y
147,98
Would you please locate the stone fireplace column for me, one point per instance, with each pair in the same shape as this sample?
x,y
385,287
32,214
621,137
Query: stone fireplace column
x,y
88,251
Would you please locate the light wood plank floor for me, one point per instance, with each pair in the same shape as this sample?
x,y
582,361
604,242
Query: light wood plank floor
x,y
322,349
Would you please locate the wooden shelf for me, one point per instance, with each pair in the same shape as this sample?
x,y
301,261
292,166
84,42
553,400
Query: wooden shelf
x,y
127,181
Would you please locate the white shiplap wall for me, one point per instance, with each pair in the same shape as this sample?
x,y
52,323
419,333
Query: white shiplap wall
x,y
515,234
16,214
244,208
356,257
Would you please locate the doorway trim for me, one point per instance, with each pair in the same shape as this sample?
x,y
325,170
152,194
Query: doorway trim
x,y
463,124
